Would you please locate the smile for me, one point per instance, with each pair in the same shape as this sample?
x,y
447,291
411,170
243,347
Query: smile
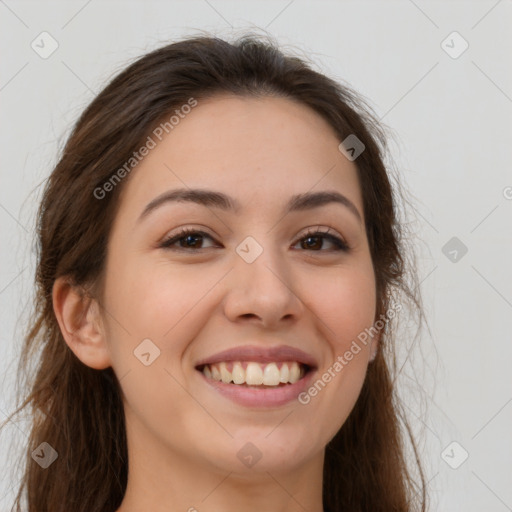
x,y
256,374
262,385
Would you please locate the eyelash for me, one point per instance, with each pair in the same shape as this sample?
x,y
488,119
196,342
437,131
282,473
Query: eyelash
x,y
312,233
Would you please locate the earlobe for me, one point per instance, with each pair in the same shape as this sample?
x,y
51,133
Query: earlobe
x,y
80,323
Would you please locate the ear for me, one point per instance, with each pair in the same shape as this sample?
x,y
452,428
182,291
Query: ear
x,y
80,323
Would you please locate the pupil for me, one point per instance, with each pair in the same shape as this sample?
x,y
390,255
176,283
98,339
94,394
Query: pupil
x,y
190,238
309,239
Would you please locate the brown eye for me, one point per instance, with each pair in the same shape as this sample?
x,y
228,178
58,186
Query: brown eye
x,y
187,238
314,241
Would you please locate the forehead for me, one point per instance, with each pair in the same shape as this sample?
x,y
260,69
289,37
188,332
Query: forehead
x,y
261,150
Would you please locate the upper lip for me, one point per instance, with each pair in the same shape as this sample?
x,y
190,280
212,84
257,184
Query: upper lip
x,y
260,354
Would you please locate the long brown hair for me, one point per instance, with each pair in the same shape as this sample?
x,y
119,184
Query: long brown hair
x,y
78,410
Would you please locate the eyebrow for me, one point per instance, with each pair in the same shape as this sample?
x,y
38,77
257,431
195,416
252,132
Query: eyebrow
x,y
213,199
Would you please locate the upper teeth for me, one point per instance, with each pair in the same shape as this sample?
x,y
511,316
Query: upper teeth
x,y
255,374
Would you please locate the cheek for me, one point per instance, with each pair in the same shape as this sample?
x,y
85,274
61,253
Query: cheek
x,y
156,300
345,307
167,306
345,302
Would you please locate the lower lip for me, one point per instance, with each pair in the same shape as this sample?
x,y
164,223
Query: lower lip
x,y
262,397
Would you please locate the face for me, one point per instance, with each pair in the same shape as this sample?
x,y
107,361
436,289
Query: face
x,y
260,276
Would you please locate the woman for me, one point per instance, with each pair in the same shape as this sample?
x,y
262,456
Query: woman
x,y
219,258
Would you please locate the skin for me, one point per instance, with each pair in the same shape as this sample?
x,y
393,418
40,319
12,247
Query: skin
x,y
183,436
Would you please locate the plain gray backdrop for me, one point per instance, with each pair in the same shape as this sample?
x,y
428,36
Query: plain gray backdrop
x,y
436,72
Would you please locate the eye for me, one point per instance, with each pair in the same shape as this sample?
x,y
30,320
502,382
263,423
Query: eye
x,y
321,236
189,238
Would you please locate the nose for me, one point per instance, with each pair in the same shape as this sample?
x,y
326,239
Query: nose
x,y
263,292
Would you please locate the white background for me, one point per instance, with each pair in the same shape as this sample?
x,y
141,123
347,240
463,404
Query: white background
x,y
452,123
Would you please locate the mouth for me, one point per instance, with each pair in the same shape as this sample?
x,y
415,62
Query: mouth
x,y
259,377
258,385
253,374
